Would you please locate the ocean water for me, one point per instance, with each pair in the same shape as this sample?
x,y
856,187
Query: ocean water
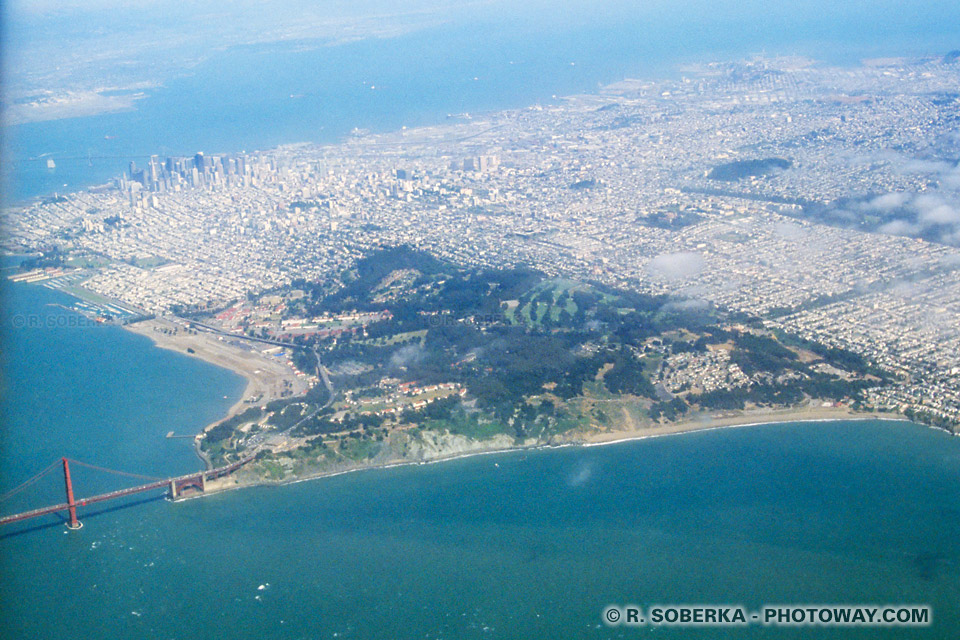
x,y
94,393
256,97
513,545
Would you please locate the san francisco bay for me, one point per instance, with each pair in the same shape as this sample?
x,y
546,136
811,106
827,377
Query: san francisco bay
x,y
258,96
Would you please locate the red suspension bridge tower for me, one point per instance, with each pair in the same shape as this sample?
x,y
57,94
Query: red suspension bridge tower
x,y
71,503
177,487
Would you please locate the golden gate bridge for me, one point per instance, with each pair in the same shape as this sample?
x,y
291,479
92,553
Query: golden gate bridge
x,y
177,487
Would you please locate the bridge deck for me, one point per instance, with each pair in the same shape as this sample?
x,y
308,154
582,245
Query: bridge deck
x,y
213,473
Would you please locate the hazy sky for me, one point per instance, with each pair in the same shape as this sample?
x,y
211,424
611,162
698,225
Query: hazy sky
x,y
54,44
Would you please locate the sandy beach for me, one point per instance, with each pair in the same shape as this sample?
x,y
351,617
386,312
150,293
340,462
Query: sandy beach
x,y
721,419
268,376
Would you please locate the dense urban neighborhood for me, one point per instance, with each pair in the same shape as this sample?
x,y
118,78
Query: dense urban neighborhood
x,y
815,209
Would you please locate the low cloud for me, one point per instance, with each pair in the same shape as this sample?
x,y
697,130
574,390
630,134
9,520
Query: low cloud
x,y
933,216
687,305
950,261
789,231
675,267
950,179
932,213
406,356
593,325
889,202
900,228
933,210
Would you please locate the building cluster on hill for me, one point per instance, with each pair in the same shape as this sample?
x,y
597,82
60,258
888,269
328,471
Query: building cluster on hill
x,y
614,187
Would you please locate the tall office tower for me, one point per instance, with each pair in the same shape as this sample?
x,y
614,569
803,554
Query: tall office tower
x,y
199,161
403,174
133,169
468,164
489,163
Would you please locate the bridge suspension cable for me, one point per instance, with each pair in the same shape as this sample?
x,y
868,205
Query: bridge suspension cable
x,y
113,471
27,483
175,484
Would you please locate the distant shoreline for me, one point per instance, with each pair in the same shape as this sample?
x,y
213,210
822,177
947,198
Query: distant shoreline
x,y
752,417
212,350
90,105
252,366
220,486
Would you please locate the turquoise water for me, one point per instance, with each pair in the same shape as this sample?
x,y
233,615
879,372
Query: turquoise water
x,y
516,545
97,394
